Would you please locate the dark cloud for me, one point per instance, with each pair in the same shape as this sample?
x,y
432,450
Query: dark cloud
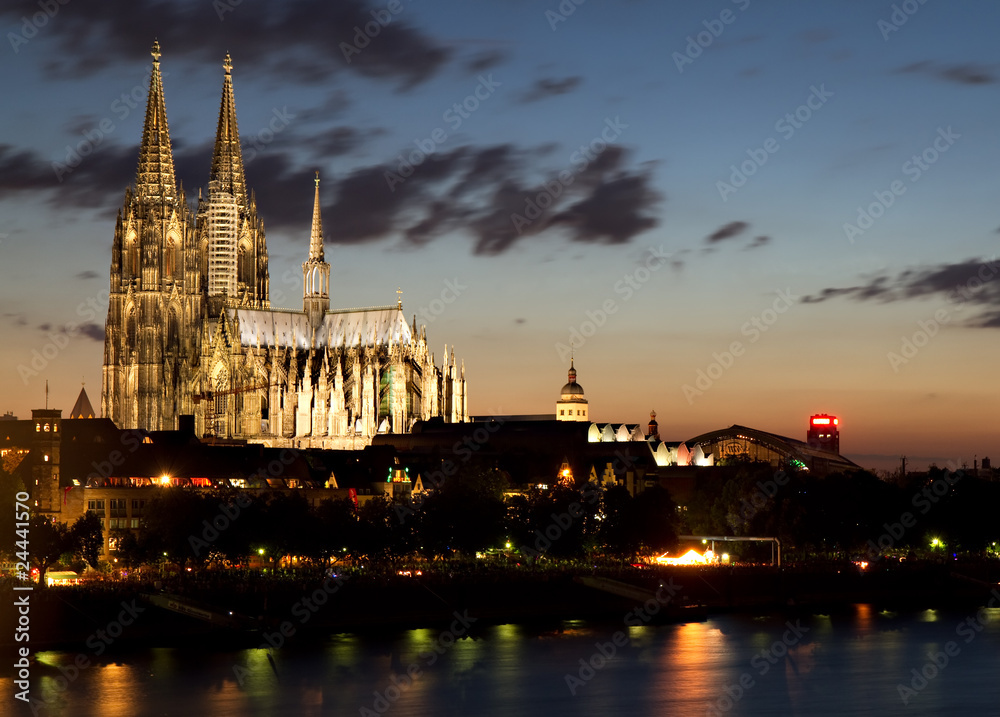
x,y
335,104
485,61
963,74
971,282
87,274
300,41
92,331
759,242
486,192
727,232
520,321
549,87
45,327
339,141
613,212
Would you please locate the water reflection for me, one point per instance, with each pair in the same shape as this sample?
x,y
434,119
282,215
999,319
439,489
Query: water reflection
x,y
732,664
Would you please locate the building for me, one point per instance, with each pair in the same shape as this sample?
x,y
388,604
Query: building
x,y
191,330
572,404
741,443
72,467
824,432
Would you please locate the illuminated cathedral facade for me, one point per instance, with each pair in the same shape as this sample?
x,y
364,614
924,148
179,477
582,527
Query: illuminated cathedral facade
x,y
191,332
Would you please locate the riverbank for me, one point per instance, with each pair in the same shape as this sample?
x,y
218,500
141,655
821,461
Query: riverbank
x,y
299,607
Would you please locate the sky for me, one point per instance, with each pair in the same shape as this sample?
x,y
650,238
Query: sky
x,y
734,211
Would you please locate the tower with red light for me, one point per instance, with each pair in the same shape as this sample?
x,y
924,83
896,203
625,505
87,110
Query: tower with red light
x,y
824,432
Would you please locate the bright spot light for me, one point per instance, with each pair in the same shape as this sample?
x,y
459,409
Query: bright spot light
x,y
691,557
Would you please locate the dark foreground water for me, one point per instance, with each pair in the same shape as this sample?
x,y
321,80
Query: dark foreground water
x,y
849,664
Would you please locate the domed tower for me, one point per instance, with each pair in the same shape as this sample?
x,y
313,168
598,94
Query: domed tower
x,y
572,405
653,429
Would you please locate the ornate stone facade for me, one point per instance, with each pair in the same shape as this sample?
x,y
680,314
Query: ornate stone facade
x,y
190,329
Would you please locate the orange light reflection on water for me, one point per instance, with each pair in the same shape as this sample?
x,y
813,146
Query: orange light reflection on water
x,y
694,658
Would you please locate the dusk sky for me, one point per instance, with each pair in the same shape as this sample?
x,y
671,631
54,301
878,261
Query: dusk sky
x,y
739,211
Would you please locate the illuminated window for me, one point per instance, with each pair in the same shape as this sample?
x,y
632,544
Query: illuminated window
x,y
135,522
46,459
46,428
55,427
38,428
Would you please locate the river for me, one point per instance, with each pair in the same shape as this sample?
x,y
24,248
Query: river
x,y
860,662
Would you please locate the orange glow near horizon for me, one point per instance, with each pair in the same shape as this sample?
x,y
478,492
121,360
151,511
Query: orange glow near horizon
x,y
691,557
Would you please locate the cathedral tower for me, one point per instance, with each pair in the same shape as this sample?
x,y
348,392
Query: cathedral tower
x,y
152,307
229,231
190,329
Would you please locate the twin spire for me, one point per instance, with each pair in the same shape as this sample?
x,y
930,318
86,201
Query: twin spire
x,y
227,158
155,176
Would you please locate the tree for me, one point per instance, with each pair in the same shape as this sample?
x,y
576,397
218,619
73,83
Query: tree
x,y
9,488
466,512
87,538
49,540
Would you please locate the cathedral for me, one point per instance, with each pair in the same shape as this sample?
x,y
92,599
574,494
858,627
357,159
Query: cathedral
x,y
191,332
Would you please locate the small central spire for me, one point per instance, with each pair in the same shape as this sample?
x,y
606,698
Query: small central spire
x,y
227,64
316,236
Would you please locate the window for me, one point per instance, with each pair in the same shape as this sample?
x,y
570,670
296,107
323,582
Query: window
x,y
137,505
562,412
46,428
38,428
96,506
135,522
119,508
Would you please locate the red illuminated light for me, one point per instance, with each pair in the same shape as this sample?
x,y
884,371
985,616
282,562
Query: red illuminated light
x,y
823,421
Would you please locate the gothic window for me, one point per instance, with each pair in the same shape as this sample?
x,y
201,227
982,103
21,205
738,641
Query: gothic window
x,y
130,329
173,337
170,252
131,256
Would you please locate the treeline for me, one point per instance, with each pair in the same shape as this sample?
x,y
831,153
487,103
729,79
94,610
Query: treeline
x,y
466,514
850,514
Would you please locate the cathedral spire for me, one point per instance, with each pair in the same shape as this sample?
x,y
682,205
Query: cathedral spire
x,y
155,175
315,271
316,237
227,159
